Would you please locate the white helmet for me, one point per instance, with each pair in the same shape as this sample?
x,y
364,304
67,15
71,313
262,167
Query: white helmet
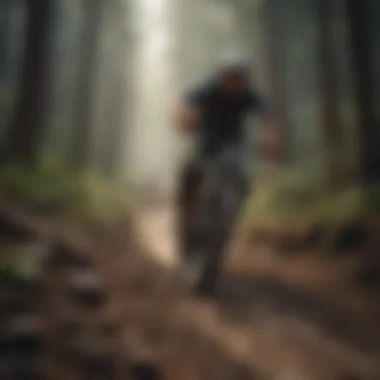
x,y
234,60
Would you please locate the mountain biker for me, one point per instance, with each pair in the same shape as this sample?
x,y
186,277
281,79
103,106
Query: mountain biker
x,y
214,112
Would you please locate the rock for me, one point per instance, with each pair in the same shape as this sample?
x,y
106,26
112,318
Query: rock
x,y
22,335
22,295
25,324
87,288
69,325
89,347
144,370
61,255
100,369
10,230
27,371
315,236
368,277
353,236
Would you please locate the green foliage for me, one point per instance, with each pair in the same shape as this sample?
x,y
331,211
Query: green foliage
x,y
12,263
8,272
297,197
46,184
95,200
52,187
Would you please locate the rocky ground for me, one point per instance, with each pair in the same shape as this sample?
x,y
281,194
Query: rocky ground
x,y
113,306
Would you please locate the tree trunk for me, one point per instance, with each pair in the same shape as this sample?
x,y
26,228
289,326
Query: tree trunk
x,y
117,100
331,126
82,135
369,135
5,21
26,130
276,45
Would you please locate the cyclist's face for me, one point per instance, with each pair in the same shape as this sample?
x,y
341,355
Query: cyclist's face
x,y
235,81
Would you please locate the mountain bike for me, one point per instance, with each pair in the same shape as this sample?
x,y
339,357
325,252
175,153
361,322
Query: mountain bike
x,y
223,187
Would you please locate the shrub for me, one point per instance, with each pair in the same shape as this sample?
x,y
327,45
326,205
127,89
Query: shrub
x,y
297,197
52,187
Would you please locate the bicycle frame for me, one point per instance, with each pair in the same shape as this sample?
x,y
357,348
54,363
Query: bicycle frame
x,y
220,192
220,197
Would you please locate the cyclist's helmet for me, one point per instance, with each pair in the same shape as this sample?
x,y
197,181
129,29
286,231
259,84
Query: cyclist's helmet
x,y
234,62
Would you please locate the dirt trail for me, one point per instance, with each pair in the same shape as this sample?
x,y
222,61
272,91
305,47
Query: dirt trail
x,y
116,308
154,229
277,314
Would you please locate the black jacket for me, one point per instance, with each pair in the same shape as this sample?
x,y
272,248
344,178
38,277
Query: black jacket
x,y
222,115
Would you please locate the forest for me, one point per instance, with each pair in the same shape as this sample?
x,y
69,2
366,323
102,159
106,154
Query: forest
x,y
90,285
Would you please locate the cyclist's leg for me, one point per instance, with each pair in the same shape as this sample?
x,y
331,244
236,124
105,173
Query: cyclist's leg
x,y
214,260
190,180
243,185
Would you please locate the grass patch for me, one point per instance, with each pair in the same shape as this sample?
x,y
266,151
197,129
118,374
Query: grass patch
x,y
14,263
96,201
297,198
52,188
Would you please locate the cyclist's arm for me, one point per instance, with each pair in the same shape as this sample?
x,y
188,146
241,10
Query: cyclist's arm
x,y
186,115
270,136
